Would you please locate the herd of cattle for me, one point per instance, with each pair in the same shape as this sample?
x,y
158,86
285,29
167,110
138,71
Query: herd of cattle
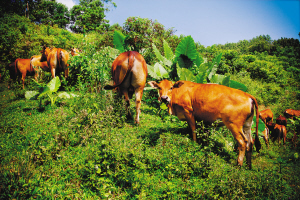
x,y
187,100
54,60
193,102
277,130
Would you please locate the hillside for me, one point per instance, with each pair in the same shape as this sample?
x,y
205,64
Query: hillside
x,y
85,148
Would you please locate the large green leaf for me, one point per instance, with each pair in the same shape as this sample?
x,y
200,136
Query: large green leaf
x,y
157,71
199,60
54,84
187,47
157,53
201,78
261,126
168,51
220,79
160,71
66,95
238,85
161,58
31,95
213,66
184,62
119,40
151,72
185,74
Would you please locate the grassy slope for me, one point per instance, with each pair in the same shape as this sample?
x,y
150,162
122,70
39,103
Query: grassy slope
x,y
76,150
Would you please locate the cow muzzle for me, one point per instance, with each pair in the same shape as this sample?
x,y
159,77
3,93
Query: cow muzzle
x,y
165,99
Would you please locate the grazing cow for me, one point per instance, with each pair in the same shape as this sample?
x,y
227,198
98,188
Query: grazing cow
x,y
129,73
193,102
290,113
270,126
266,115
279,132
281,120
36,62
57,60
23,67
74,52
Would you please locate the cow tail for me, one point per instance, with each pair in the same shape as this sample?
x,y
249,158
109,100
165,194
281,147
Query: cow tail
x,y
131,59
16,68
257,142
58,59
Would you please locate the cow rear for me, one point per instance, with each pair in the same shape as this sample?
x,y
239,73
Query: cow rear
x,y
129,73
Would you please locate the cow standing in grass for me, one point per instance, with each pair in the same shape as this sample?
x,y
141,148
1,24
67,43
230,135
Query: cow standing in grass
x,y
129,73
234,108
24,68
57,60
266,115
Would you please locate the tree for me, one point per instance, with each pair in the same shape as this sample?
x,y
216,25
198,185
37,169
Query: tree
x,y
142,32
89,16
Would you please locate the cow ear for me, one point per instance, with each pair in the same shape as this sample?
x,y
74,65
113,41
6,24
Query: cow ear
x,y
153,84
178,84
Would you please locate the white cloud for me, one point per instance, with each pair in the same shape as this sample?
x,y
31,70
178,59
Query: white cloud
x,y
68,3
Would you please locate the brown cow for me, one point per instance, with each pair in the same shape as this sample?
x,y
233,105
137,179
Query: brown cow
x,y
266,115
281,120
23,67
36,62
290,113
129,72
74,52
193,102
279,132
57,60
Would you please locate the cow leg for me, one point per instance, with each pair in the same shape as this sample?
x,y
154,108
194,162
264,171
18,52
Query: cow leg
x,y
238,134
36,75
191,122
138,98
127,105
249,143
67,73
53,72
23,80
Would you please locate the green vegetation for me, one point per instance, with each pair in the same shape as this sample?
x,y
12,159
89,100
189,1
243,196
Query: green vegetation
x,y
85,148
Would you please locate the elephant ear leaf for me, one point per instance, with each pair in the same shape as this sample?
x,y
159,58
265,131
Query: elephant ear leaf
x,y
54,84
261,126
119,41
238,85
31,95
187,47
168,51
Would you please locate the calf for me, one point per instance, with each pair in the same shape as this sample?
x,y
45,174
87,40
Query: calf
x,y
290,113
24,68
281,120
278,133
266,115
193,102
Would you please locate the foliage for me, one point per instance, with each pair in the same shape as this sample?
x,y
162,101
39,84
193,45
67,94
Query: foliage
x,y
84,148
50,90
142,32
89,16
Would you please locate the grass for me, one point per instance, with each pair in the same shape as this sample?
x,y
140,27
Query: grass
x,y
84,148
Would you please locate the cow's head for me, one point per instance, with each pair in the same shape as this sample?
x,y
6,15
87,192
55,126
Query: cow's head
x,y
45,53
288,113
165,89
74,52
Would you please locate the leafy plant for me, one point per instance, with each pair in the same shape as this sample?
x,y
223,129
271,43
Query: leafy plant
x,y
50,90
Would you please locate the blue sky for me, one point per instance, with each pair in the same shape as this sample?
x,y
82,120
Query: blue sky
x,y
214,21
